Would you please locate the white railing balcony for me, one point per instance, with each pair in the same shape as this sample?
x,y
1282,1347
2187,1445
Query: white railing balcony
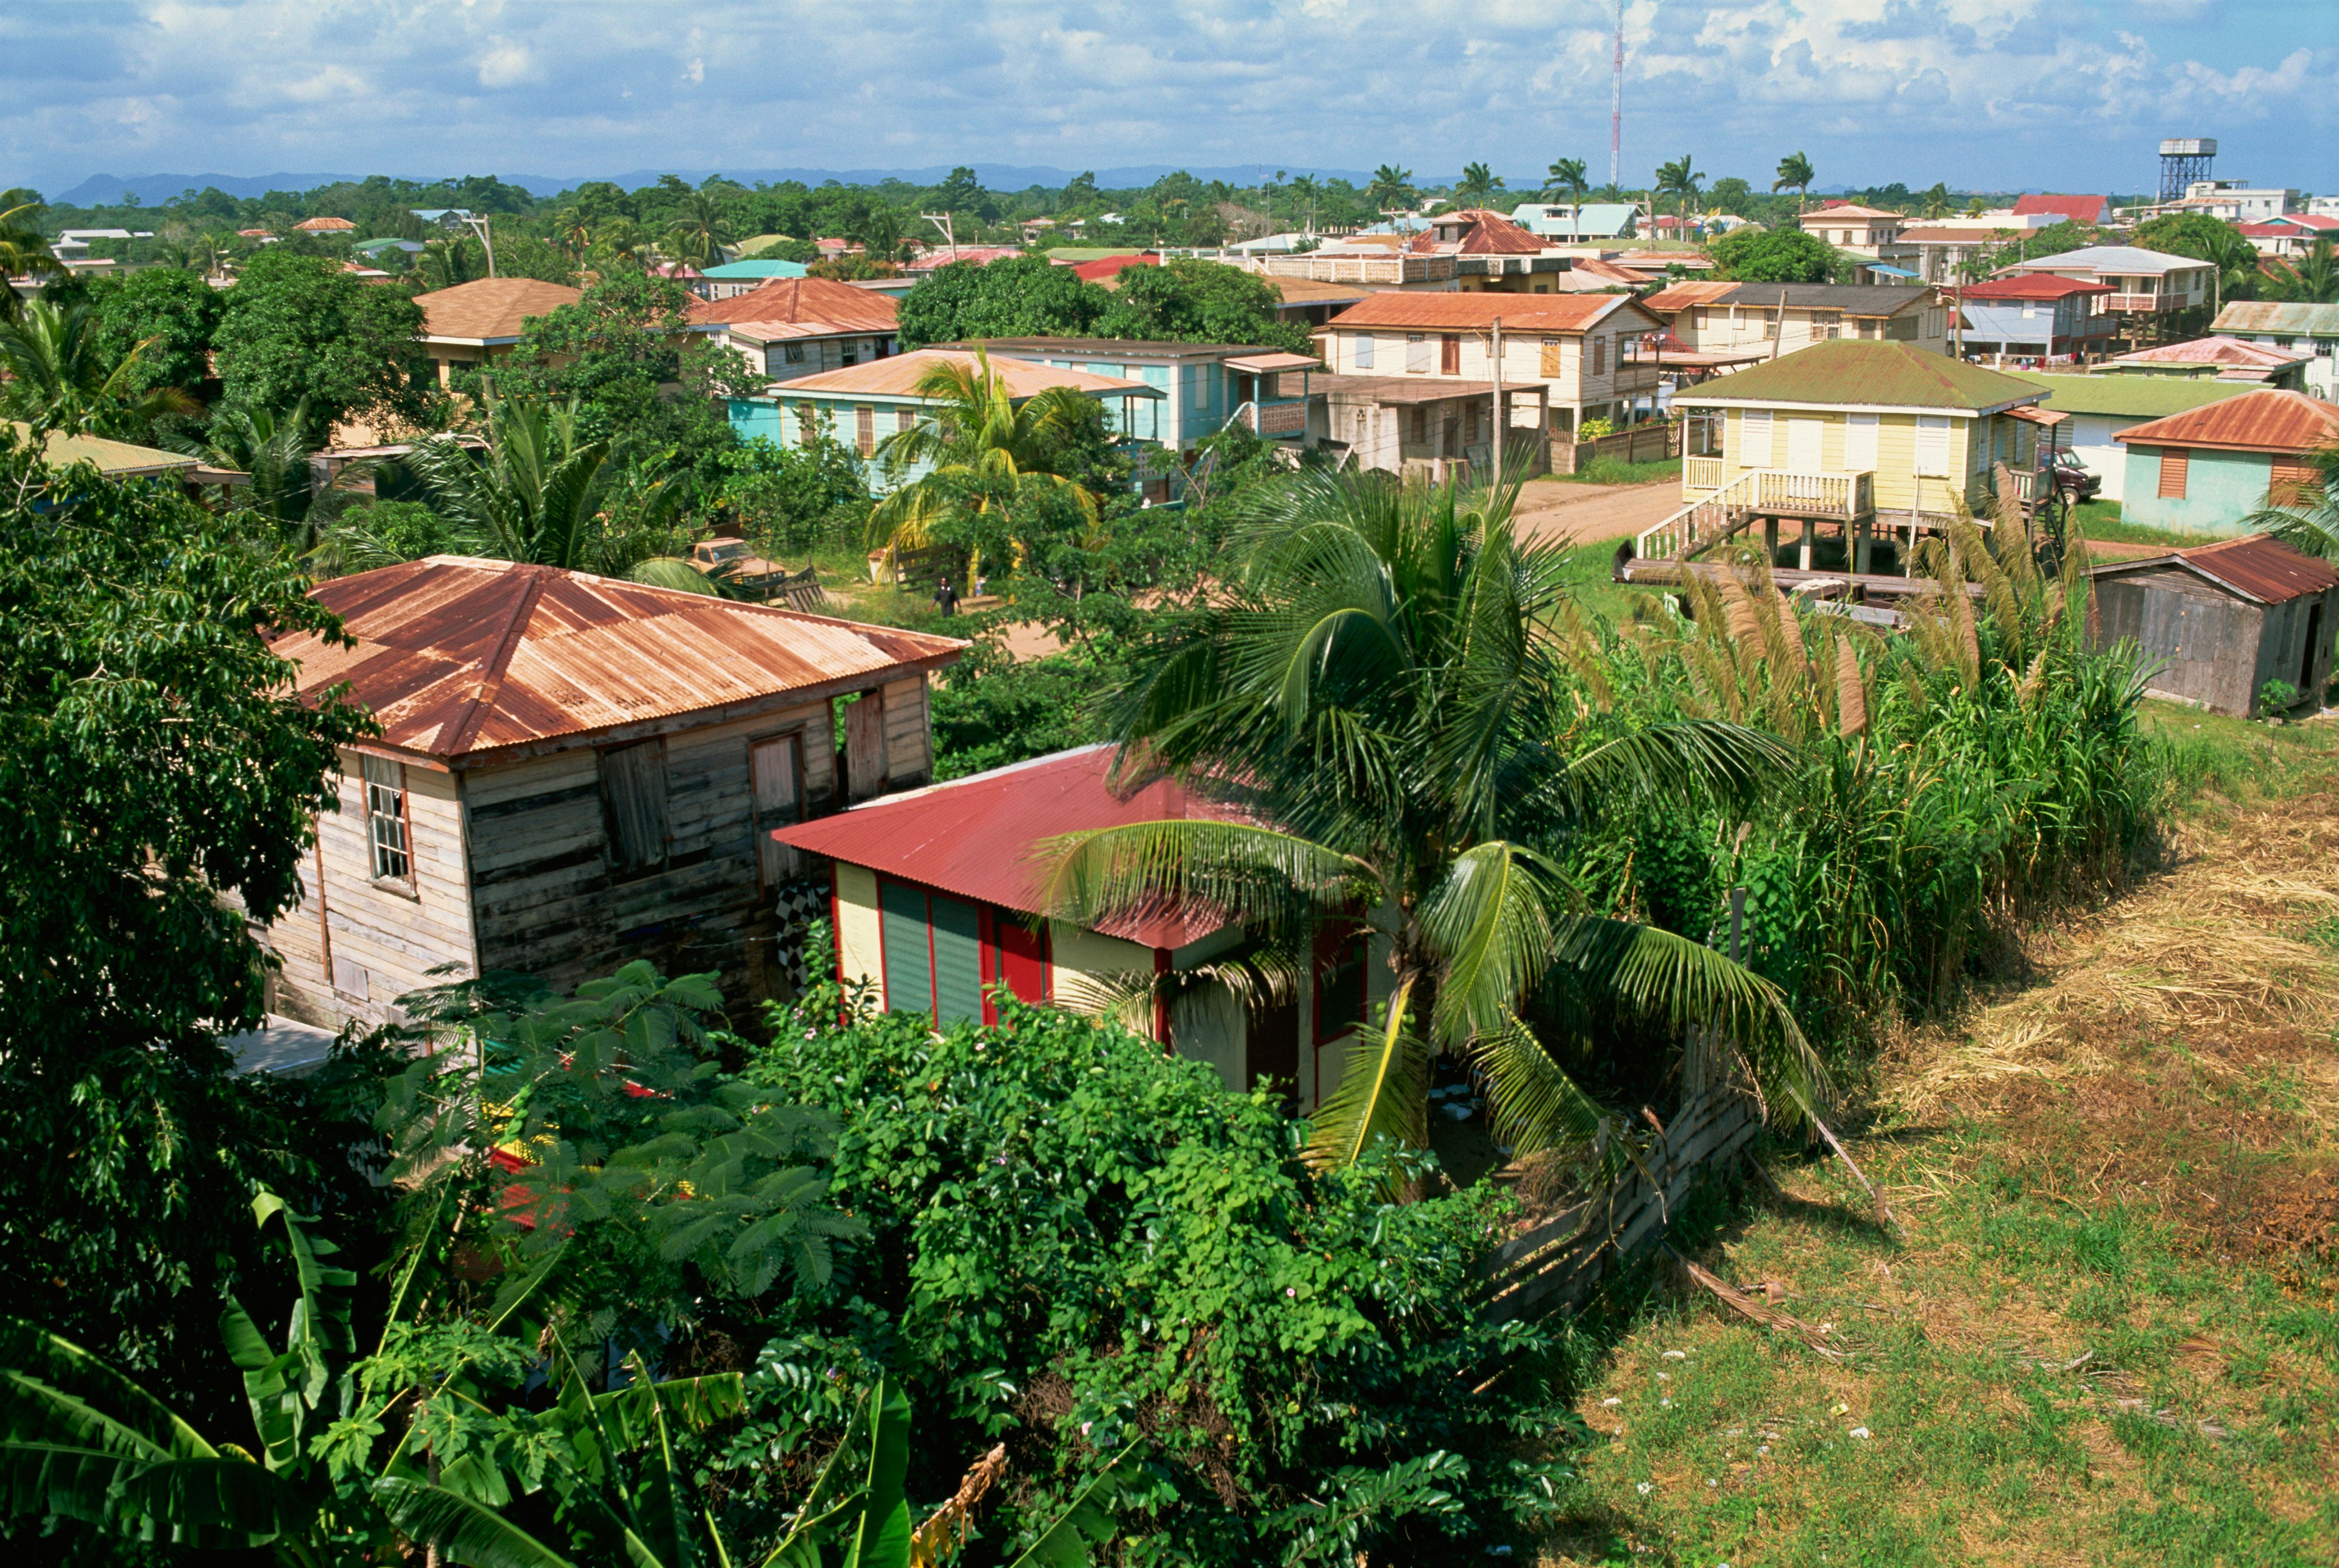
x,y
1701,474
1827,494
2139,301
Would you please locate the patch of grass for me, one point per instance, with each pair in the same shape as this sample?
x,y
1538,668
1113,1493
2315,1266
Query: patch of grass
x,y
1613,472
2101,520
2108,1331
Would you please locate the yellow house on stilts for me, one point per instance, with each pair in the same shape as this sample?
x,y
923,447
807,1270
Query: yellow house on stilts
x,y
1868,439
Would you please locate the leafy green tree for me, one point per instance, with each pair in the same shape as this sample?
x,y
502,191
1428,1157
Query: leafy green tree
x,y
62,377
616,353
164,787
1190,301
1477,185
792,495
1389,681
1173,1270
2205,238
1794,173
1732,194
282,489
1013,297
298,330
1757,255
172,312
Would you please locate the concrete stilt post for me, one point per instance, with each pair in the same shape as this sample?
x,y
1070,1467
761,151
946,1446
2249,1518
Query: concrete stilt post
x,y
1810,536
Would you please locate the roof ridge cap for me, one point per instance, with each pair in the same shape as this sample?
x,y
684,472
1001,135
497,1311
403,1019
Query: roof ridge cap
x,y
456,737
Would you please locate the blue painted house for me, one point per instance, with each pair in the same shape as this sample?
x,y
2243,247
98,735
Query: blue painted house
x,y
861,405
2036,317
1198,388
2204,470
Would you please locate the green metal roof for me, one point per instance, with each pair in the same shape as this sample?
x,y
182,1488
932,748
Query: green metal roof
x,y
115,459
754,269
2130,397
1853,373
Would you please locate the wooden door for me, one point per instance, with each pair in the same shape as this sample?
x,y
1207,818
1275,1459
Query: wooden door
x,y
1449,354
775,775
864,746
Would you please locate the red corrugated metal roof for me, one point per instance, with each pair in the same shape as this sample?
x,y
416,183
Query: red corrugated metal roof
x,y
457,657
2071,209
2037,286
975,837
2264,568
1489,233
2272,421
2258,567
1105,267
799,300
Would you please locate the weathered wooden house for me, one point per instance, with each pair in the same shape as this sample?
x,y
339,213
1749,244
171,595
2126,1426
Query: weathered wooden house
x,y
575,771
937,898
2228,623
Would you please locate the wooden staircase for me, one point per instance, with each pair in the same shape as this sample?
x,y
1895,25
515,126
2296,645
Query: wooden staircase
x,y
1703,523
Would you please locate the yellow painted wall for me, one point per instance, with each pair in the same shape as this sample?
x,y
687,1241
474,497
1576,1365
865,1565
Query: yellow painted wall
x,y
1896,483
1082,959
860,949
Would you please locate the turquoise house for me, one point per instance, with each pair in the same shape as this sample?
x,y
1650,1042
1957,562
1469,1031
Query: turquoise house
x,y
733,278
2204,470
1198,388
862,405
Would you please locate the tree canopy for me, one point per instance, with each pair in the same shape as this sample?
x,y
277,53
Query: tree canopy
x,y
298,330
1754,255
1013,297
1190,301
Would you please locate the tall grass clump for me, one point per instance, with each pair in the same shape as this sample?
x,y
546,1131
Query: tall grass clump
x,y
1951,784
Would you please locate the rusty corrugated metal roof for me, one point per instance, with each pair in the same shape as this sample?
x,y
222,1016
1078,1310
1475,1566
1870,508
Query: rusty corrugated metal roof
x,y
2264,568
2269,420
1477,311
457,657
975,837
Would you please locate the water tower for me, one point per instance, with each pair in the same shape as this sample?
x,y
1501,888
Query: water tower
x,y
2183,160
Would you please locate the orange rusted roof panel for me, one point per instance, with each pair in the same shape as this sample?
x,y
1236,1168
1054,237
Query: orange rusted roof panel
x,y
457,657
2272,421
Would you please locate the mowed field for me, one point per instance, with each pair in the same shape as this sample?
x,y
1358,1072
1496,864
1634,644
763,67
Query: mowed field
x,y
2105,1329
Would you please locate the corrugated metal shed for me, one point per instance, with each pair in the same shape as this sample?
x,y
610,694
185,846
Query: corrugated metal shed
x,y
2268,420
460,659
975,837
2260,566
2278,316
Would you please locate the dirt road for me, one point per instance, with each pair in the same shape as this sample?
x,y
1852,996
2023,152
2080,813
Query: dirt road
x,y
1591,514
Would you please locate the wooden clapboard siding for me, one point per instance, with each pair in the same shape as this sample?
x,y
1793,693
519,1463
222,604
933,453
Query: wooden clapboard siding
x,y
547,902
379,940
906,731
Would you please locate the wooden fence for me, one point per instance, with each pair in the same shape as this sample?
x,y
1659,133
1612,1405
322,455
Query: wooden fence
x,y
1554,1265
1647,443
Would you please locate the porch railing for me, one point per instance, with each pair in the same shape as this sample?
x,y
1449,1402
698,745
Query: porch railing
x,y
1701,473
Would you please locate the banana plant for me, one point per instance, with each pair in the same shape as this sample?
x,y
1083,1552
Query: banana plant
x,y
80,1440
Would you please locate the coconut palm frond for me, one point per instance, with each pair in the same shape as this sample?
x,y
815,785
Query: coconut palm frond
x,y
1491,920
1275,880
1534,1106
1383,1092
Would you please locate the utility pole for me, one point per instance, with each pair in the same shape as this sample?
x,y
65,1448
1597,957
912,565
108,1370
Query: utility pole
x,y
1616,107
1494,442
482,226
942,221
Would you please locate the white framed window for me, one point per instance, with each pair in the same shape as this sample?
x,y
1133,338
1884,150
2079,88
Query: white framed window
x,y
1755,439
1416,353
388,841
1362,357
1859,442
1934,445
1201,374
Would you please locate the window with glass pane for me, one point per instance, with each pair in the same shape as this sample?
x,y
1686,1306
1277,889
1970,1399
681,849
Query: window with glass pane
x,y
385,789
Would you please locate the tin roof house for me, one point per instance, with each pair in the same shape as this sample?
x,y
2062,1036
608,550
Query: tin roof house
x,y
474,325
2243,626
574,771
2203,470
2098,408
938,905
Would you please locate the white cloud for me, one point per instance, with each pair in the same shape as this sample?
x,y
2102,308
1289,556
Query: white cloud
x,y
2016,92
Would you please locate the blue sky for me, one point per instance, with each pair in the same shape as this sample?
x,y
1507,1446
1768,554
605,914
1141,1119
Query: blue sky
x,y
2069,95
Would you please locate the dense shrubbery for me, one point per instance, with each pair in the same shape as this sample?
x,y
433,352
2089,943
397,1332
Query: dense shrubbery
x,y
1075,1241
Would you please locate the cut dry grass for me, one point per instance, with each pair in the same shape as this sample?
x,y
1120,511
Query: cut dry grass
x,y
2109,1330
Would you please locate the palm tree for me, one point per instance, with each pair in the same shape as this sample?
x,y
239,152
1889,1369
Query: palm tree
x,y
1936,200
1477,186
1568,177
573,232
1795,174
1678,178
1305,187
453,260
24,253
274,452
1386,685
1391,189
987,455
699,236
538,497
61,378
2314,282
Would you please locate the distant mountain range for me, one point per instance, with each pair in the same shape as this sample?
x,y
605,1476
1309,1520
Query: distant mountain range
x,y
152,190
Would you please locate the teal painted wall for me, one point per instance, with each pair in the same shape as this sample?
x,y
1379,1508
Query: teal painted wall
x,y
754,417
2221,488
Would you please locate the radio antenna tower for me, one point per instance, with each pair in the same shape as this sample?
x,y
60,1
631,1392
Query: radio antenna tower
x,y
1616,107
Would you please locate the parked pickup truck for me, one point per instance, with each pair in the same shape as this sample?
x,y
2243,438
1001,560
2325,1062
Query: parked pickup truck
x,y
751,573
